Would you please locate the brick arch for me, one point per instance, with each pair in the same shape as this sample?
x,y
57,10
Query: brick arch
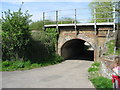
x,y
87,39
63,40
74,48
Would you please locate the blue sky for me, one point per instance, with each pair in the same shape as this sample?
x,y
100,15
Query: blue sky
x,y
36,8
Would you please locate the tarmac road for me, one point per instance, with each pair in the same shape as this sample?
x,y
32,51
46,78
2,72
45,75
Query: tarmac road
x,y
68,74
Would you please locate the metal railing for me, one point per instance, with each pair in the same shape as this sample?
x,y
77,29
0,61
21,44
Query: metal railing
x,y
79,15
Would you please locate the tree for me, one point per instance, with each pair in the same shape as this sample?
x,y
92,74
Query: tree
x,y
103,10
38,25
15,34
66,20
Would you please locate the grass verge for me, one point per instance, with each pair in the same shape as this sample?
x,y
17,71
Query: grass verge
x,y
26,65
98,81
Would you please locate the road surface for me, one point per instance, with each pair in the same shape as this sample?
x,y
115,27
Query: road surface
x,y
68,74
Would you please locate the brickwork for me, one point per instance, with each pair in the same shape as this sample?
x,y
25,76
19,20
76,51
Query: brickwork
x,y
85,33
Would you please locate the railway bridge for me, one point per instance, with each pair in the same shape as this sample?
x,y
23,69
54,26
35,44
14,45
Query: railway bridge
x,y
82,39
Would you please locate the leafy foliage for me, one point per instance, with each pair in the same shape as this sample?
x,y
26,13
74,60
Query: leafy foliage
x,y
15,34
101,9
26,65
38,25
41,44
66,20
24,50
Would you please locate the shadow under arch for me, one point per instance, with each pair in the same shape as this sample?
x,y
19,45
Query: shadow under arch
x,y
77,49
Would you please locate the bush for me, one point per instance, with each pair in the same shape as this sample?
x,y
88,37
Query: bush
x,y
41,45
15,34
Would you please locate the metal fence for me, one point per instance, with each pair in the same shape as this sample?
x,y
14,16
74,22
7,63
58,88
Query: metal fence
x,y
79,15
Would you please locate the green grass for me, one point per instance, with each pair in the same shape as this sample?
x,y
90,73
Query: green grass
x,y
97,64
110,46
93,69
118,52
98,81
26,65
101,82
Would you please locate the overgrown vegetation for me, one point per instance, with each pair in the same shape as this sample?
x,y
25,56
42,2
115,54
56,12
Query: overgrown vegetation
x,y
15,34
22,49
98,81
42,45
26,65
111,47
103,10
38,25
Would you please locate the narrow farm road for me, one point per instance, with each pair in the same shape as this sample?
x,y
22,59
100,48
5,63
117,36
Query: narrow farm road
x,y
68,74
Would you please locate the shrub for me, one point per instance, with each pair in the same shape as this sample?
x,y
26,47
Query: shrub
x,y
15,34
41,45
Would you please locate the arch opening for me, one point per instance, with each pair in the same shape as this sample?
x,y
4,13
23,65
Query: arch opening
x,y
77,49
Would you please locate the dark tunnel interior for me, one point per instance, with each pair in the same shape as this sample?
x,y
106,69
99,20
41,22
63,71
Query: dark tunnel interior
x,y
76,49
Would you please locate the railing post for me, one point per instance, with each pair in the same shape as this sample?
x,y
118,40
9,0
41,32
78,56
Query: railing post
x,y
114,18
95,20
56,21
43,20
96,51
57,31
115,33
75,22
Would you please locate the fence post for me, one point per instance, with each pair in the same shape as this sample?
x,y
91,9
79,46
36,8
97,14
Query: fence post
x,y
75,22
56,21
96,51
114,18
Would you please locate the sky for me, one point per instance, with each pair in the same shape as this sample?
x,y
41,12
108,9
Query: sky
x,y
36,8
